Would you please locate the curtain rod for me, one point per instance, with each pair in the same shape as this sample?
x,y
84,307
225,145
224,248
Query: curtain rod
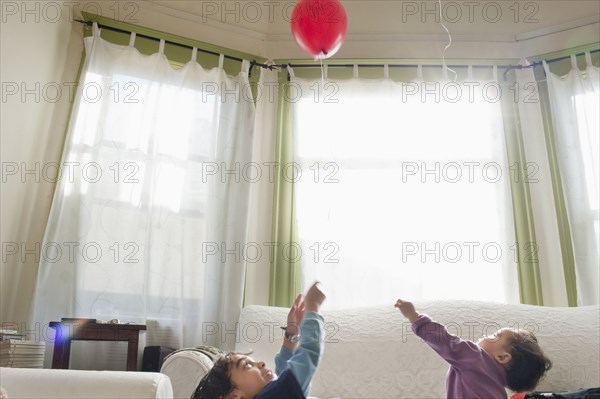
x,y
507,67
187,46
532,65
90,23
254,63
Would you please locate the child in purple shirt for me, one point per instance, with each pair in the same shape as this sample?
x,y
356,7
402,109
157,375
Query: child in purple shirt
x,y
510,358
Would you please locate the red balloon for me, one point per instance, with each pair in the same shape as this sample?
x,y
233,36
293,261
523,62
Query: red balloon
x,y
319,26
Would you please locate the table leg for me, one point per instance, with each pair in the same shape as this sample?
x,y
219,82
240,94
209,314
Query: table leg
x,y
132,352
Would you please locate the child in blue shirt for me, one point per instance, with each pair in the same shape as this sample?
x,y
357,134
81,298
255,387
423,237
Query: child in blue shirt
x,y
237,376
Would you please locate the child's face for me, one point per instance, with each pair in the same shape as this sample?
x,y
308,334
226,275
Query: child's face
x,y
498,344
248,376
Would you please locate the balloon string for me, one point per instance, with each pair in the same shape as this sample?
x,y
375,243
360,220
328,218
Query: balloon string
x,y
322,73
447,46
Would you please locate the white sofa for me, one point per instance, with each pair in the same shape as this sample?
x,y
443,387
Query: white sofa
x,y
372,353
77,384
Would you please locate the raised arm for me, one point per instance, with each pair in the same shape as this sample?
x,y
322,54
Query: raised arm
x,y
292,330
453,349
302,358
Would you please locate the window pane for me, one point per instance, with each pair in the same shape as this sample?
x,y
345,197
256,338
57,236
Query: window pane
x,y
403,195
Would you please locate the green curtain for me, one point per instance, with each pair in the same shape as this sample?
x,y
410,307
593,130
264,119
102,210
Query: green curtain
x,y
566,245
560,67
530,285
285,266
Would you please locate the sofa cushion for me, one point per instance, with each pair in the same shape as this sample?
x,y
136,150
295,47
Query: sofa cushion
x,y
65,384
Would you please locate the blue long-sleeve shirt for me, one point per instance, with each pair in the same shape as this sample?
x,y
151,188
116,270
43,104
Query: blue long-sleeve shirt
x,y
304,360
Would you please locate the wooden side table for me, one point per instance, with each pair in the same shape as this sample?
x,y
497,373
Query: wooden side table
x,y
67,332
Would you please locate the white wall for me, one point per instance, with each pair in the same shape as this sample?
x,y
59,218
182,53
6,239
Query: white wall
x,y
40,52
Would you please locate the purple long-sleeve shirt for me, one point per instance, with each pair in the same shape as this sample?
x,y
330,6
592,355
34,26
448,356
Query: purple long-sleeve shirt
x,y
473,374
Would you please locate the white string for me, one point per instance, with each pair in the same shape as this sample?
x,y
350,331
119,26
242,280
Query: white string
x,y
322,72
355,72
195,54
161,46
221,60
386,71
447,46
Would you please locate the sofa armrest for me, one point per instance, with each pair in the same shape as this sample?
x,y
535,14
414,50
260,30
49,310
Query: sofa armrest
x,y
186,368
65,384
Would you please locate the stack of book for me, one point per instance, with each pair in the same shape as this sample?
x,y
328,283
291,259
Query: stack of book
x,y
16,351
11,333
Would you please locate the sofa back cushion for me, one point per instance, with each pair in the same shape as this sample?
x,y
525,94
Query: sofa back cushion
x,y
372,352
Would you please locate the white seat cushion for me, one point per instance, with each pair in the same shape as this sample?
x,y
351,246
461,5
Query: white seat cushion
x,y
66,384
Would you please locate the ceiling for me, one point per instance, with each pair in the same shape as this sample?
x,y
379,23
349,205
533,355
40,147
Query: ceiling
x,y
385,29
493,19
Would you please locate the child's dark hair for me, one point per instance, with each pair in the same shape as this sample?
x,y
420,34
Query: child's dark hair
x,y
528,363
216,384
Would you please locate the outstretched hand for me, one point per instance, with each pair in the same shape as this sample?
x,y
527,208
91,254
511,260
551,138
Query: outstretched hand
x,y
407,309
311,302
296,313
314,298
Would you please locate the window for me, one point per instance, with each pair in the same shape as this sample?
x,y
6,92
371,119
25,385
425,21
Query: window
x,y
586,108
403,192
573,100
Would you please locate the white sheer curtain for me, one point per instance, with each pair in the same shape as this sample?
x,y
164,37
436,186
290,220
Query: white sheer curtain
x,y
575,105
404,190
260,222
149,214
